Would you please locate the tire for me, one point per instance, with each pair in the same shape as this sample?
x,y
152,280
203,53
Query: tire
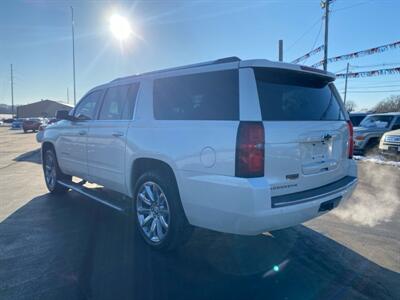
x,y
52,173
25,131
166,209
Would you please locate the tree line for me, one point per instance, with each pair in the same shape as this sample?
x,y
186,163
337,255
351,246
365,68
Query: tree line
x,y
389,104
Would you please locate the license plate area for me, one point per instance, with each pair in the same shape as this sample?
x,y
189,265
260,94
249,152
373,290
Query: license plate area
x,y
394,149
316,151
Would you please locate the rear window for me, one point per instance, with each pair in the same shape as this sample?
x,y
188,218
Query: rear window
x,y
356,120
204,96
292,96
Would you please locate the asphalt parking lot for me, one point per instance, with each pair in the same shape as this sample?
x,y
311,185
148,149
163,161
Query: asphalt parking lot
x,y
72,248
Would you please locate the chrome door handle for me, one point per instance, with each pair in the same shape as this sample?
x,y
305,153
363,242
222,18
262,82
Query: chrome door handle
x,y
117,134
82,132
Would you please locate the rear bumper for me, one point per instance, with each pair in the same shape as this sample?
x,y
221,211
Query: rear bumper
x,y
245,206
279,218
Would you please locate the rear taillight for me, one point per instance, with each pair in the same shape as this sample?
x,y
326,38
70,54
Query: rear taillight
x,y
351,143
250,150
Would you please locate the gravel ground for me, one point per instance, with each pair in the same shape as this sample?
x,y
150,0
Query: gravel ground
x,y
72,248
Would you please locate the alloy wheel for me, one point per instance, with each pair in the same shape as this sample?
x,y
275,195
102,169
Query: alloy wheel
x,y
153,212
50,171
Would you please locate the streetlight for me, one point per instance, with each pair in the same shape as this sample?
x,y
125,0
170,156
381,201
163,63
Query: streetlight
x,y
120,27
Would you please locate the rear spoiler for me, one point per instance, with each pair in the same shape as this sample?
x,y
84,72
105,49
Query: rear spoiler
x,y
263,63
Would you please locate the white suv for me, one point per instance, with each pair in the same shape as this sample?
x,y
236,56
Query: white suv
x,y
234,146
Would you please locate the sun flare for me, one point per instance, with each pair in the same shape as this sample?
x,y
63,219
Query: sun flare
x,y
120,27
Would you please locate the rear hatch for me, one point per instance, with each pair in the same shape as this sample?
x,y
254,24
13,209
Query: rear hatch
x,y
306,134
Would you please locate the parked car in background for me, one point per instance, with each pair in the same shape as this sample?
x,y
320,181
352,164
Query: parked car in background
x,y
32,124
241,147
390,143
8,121
357,117
371,129
17,123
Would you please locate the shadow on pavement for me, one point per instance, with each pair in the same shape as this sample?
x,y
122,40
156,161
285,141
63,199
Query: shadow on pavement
x,y
71,248
30,156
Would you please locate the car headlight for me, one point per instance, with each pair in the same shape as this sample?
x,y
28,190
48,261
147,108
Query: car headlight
x,y
359,137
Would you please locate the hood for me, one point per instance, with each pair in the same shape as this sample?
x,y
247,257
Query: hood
x,y
393,132
361,130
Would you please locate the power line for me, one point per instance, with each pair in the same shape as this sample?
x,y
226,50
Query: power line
x,y
304,34
377,86
315,41
350,6
386,91
375,65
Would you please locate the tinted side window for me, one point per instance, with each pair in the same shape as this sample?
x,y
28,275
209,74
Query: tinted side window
x,y
292,96
86,108
204,96
119,102
356,120
396,124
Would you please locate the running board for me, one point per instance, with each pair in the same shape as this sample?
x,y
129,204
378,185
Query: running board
x,y
93,194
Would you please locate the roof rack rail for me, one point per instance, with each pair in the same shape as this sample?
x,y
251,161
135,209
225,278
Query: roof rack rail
x,y
224,60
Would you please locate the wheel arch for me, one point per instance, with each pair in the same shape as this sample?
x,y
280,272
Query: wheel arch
x,y
143,164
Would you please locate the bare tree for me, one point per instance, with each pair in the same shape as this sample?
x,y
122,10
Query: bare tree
x,y
390,104
350,106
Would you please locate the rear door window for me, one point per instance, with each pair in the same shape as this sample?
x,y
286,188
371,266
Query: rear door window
x,y
294,96
204,96
119,102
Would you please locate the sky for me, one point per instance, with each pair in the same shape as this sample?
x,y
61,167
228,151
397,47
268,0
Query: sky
x,y
35,36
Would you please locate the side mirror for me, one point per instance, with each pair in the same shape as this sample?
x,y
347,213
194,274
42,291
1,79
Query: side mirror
x,y
63,115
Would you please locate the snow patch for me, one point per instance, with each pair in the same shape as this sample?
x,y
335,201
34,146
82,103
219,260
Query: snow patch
x,y
378,159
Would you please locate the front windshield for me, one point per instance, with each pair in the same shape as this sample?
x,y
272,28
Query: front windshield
x,y
382,121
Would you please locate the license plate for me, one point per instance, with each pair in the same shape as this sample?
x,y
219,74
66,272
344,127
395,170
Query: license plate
x,y
394,149
319,151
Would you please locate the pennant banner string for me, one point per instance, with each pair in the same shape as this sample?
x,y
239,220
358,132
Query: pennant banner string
x,y
307,55
360,53
370,73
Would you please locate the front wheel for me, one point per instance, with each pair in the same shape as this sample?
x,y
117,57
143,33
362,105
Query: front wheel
x,y
158,213
52,173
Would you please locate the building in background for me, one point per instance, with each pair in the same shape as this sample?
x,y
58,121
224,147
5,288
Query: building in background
x,y
43,108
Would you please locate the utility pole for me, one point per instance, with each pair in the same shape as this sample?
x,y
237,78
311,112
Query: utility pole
x,y
280,50
325,4
345,83
12,91
73,51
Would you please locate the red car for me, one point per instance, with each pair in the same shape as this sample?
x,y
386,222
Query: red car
x,y
32,124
